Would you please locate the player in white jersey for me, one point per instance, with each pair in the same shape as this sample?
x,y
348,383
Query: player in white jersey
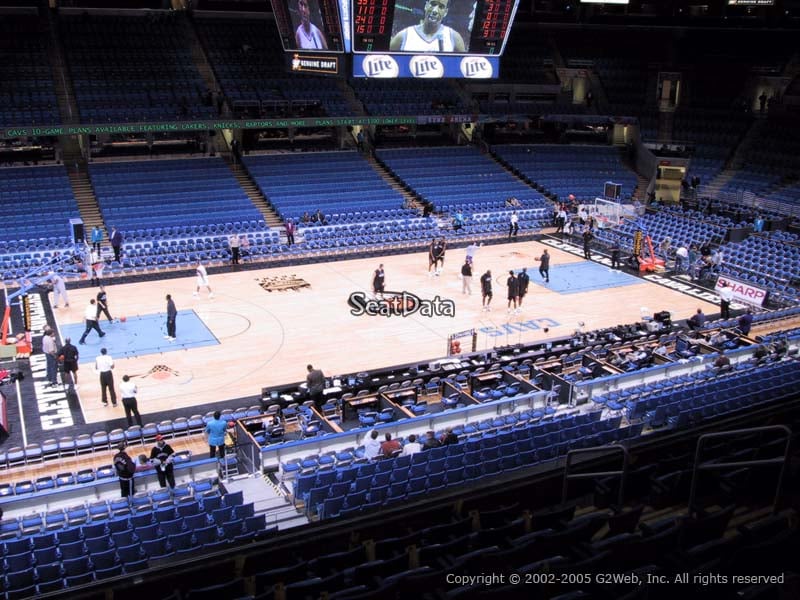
x,y
202,280
429,35
308,36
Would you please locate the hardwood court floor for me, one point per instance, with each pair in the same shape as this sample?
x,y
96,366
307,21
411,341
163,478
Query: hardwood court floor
x,y
267,338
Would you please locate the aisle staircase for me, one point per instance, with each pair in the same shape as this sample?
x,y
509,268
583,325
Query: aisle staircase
x,y
410,199
81,184
250,188
65,94
352,100
269,500
736,160
200,60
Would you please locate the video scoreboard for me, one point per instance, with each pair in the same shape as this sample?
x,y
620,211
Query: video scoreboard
x,y
425,39
311,34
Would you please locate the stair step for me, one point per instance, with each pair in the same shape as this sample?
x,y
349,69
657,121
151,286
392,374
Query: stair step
x,y
297,521
251,189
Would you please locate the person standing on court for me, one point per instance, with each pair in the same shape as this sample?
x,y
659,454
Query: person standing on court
x,y
90,316
69,357
486,290
466,277
202,280
378,281
588,236
544,265
161,457
50,349
436,253
92,263
615,250
315,381
105,366
513,291
126,469
471,250
725,297
215,434
116,242
523,279
102,304
561,220
172,315
127,389
59,289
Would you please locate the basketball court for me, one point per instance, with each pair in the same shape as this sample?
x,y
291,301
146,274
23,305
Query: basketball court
x,y
262,327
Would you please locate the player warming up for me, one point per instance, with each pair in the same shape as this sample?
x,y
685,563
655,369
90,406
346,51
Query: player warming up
x,y
486,290
202,280
436,256
544,265
378,281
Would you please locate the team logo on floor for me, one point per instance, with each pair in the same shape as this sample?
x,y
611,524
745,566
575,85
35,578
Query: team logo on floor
x,y
282,283
399,304
161,372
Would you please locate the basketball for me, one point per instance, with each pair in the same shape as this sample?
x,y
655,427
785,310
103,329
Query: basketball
x,y
123,319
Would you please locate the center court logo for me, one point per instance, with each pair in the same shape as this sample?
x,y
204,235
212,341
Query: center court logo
x,y
399,304
476,67
380,66
282,282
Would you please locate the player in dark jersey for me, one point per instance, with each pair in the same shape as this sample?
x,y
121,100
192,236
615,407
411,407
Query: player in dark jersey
x,y
486,290
513,291
436,256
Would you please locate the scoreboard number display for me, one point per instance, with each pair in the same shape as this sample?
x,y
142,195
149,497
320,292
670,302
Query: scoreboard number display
x,y
466,27
424,39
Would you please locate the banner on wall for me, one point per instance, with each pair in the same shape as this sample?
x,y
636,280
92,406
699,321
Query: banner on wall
x,y
743,292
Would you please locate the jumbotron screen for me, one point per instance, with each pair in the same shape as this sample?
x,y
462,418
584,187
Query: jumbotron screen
x,y
311,34
430,38
477,27
309,25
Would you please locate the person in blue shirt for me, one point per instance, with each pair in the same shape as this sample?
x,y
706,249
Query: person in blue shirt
x,y
746,322
215,432
97,237
458,221
697,320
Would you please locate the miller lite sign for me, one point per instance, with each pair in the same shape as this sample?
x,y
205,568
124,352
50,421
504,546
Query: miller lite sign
x,y
476,67
426,66
380,66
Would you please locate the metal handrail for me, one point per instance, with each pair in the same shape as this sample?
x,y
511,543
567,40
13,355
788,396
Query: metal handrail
x,y
596,449
709,466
